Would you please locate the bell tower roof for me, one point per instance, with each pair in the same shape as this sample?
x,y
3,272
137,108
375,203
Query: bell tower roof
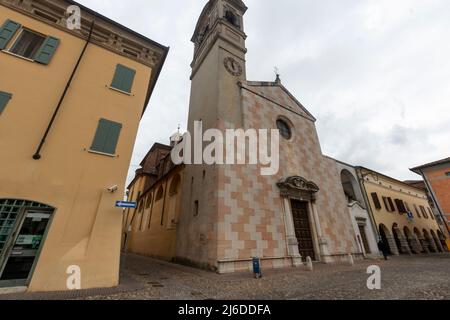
x,y
206,17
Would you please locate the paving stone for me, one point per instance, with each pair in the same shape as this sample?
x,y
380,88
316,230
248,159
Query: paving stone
x,y
424,277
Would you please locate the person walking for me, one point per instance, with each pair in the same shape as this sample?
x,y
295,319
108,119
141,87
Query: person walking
x,y
383,248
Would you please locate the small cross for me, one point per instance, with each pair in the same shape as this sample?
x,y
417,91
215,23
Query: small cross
x,y
277,71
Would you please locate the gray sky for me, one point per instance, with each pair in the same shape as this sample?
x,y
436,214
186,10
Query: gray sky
x,y
375,73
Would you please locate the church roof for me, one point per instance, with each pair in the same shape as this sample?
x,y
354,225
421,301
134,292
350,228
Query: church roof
x,y
279,94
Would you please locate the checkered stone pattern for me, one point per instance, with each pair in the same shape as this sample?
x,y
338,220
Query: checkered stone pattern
x,y
251,215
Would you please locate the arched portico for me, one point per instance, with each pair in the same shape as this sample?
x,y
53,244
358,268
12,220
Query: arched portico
x,y
422,241
436,241
442,240
388,239
413,242
400,240
429,242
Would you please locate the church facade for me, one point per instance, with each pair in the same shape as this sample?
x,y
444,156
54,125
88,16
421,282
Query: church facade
x,y
231,213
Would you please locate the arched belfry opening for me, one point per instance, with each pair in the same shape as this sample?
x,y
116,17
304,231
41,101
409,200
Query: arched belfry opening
x,y
232,18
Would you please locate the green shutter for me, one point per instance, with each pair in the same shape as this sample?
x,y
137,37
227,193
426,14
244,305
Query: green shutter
x,y
106,137
47,50
4,99
123,78
7,31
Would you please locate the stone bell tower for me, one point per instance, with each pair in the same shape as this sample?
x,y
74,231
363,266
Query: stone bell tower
x,y
219,62
217,68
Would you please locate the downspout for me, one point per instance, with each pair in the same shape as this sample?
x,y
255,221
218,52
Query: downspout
x,y
37,154
366,199
427,184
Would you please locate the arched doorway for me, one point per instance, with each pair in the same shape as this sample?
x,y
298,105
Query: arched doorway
x,y
436,241
23,227
442,240
412,242
388,240
429,242
299,197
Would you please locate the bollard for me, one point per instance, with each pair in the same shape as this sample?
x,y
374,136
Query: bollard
x,y
257,268
309,264
351,261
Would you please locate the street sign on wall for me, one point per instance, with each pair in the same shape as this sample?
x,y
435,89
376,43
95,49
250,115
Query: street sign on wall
x,y
126,204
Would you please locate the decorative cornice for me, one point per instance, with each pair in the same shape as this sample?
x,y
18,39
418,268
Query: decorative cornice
x,y
298,188
107,33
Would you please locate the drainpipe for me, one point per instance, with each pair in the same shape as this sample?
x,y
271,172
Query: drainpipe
x,y
366,199
37,154
428,185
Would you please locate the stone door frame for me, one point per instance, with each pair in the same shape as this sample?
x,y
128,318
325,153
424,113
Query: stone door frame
x,y
300,189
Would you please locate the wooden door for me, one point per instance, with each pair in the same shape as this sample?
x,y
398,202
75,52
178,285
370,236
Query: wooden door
x,y
303,229
362,232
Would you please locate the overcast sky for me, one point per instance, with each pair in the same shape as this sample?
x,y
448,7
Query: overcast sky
x,y
375,73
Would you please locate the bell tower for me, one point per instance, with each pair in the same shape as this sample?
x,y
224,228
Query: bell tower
x,y
223,21
218,63
218,66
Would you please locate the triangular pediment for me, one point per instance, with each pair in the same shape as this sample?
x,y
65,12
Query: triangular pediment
x,y
277,93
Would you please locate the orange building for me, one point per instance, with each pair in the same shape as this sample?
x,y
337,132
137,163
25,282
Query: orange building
x,y
437,179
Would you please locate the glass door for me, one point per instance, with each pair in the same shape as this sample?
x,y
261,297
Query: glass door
x,y
21,256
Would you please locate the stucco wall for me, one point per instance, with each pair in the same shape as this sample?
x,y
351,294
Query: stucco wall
x,y
397,190
86,227
153,231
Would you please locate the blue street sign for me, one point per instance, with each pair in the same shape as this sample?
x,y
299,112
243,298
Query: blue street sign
x,y
126,204
410,216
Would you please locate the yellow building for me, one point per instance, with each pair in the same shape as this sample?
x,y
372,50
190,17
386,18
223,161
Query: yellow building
x,y
70,106
402,214
151,228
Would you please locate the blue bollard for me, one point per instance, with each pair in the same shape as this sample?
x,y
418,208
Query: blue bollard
x,y
257,268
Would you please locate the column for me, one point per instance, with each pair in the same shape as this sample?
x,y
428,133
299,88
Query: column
x,y
323,244
291,239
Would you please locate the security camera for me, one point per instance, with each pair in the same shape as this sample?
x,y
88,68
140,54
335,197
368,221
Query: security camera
x,y
113,188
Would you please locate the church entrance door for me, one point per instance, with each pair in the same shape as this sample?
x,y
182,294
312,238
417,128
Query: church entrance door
x,y
303,229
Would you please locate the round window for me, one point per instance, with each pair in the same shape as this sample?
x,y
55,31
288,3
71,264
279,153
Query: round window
x,y
285,129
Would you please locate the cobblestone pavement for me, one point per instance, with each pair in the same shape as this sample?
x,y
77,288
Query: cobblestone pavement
x,y
410,277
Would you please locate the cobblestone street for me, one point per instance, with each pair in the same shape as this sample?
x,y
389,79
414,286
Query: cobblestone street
x,y
415,277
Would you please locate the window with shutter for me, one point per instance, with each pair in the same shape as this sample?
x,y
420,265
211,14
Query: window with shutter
x,y
431,213
424,213
106,137
417,211
45,53
7,32
123,78
391,204
407,207
400,205
376,200
386,204
27,44
4,99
